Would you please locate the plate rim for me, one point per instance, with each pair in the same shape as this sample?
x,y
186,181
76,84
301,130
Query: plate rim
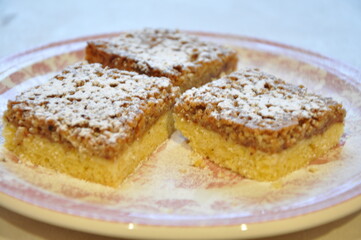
x,y
301,52
326,63
134,230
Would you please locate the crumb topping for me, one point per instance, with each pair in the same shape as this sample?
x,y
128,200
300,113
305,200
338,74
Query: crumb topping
x,y
169,51
93,108
258,102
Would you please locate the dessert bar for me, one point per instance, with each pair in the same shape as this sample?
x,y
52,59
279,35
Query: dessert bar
x,y
185,59
91,122
257,124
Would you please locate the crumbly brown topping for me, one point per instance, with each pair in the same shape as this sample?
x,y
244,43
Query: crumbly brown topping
x,y
259,110
168,51
95,109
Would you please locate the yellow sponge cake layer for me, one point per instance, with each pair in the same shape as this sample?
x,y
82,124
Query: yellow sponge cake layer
x,y
256,164
66,159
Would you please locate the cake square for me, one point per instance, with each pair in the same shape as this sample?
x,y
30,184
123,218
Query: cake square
x,y
185,59
91,122
258,125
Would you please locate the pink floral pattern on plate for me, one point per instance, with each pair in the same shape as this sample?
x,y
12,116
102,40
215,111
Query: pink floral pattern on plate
x,y
169,189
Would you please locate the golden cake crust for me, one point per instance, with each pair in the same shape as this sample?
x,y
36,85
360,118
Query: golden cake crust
x,y
258,110
183,58
94,109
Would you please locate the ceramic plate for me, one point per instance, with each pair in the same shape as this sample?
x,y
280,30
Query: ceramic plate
x,y
169,195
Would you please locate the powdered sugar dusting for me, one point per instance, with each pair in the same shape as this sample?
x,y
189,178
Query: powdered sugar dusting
x,y
169,51
93,108
257,100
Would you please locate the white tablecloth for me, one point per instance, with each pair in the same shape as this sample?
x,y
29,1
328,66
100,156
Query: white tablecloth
x,y
329,27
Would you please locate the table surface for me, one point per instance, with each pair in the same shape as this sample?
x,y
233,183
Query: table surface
x,y
331,28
